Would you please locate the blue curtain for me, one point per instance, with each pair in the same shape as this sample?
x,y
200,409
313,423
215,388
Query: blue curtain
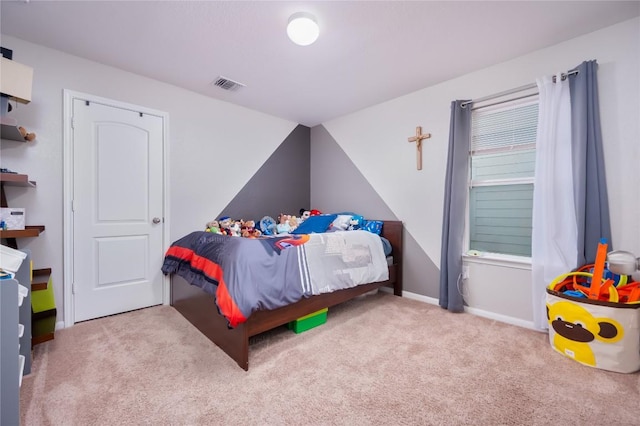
x,y
455,201
590,189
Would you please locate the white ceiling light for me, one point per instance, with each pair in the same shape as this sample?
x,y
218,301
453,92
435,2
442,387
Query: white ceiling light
x,y
303,28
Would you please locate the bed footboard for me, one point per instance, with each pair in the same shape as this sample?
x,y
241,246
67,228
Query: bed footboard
x,y
200,309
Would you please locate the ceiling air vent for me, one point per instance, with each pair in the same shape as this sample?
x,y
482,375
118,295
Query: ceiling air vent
x,y
227,84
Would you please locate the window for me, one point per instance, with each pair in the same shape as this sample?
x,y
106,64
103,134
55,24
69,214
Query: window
x,y
503,140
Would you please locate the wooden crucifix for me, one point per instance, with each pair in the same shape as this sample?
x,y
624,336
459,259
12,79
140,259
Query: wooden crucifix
x,y
418,140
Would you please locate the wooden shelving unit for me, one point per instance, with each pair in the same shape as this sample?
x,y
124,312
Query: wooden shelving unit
x,y
42,323
10,131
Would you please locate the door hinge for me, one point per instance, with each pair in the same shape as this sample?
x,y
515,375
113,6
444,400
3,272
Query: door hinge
x,y
73,122
73,205
73,288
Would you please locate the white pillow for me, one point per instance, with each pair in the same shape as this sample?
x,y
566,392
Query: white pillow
x,y
341,222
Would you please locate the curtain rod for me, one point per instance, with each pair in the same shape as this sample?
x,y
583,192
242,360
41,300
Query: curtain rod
x,y
516,90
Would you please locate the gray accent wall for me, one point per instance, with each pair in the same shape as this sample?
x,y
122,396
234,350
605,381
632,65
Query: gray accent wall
x,y
281,185
337,185
419,273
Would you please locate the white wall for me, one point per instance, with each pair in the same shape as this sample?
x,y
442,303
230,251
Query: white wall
x,y
376,141
203,136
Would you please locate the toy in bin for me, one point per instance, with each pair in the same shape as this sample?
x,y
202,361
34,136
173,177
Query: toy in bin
x,y
615,281
624,263
594,314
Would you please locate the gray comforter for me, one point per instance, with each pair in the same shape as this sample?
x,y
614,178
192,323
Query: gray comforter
x,y
246,275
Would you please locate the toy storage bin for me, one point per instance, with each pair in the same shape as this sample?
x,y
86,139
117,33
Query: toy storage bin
x,y
11,259
308,322
599,334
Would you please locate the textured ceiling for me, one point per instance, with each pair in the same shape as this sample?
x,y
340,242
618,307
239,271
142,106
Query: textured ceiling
x,y
367,53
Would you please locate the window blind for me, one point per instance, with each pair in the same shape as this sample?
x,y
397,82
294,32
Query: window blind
x,y
505,129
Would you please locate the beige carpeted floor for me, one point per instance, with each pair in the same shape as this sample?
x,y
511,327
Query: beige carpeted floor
x,y
379,360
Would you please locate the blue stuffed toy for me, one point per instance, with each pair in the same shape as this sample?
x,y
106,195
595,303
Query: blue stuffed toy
x,y
268,225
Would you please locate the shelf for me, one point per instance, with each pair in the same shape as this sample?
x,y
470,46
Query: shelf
x,y
9,132
41,338
9,129
40,279
43,326
28,231
16,179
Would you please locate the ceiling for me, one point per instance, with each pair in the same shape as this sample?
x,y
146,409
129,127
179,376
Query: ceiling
x,y
367,52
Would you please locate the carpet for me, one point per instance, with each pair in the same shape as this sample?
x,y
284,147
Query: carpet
x,y
379,360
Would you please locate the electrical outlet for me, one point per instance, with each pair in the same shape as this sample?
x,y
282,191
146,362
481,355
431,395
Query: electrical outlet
x,y
465,272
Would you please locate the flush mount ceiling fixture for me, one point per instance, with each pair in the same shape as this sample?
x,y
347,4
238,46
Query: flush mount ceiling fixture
x,y
303,28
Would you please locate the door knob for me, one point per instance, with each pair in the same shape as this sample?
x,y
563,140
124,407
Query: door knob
x,y
156,220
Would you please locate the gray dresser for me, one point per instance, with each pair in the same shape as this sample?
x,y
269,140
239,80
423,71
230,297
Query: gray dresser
x,y
15,350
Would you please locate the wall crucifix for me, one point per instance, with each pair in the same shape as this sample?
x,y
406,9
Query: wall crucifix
x,y
418,140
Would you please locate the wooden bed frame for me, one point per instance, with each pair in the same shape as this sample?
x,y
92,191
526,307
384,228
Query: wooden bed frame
x,y
199,308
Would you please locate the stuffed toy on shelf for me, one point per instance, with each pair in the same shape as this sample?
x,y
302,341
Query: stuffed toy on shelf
x,y
26,135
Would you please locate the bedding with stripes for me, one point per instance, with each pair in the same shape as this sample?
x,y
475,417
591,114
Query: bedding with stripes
x,y
265,273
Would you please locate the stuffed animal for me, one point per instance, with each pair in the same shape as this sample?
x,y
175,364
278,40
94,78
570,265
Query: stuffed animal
x,y
354,224
268,226
247,228
214,227
293,223
283,226
234,230
225,223
26,135
304,214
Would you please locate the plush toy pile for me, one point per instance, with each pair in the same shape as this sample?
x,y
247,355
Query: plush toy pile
x,y
285,224
236,228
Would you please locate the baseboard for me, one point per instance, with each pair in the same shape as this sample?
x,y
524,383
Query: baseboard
x,y
421,298
502,318
474,311
59,325
414,296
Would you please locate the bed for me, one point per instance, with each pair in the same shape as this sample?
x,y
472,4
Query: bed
x,y
201,310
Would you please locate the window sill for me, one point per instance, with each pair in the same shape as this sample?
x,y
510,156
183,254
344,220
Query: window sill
x,y
495,259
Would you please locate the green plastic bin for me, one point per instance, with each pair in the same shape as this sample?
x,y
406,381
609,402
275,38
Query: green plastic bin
x,y
310,321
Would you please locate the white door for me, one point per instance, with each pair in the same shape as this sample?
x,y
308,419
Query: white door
x,y
116,210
